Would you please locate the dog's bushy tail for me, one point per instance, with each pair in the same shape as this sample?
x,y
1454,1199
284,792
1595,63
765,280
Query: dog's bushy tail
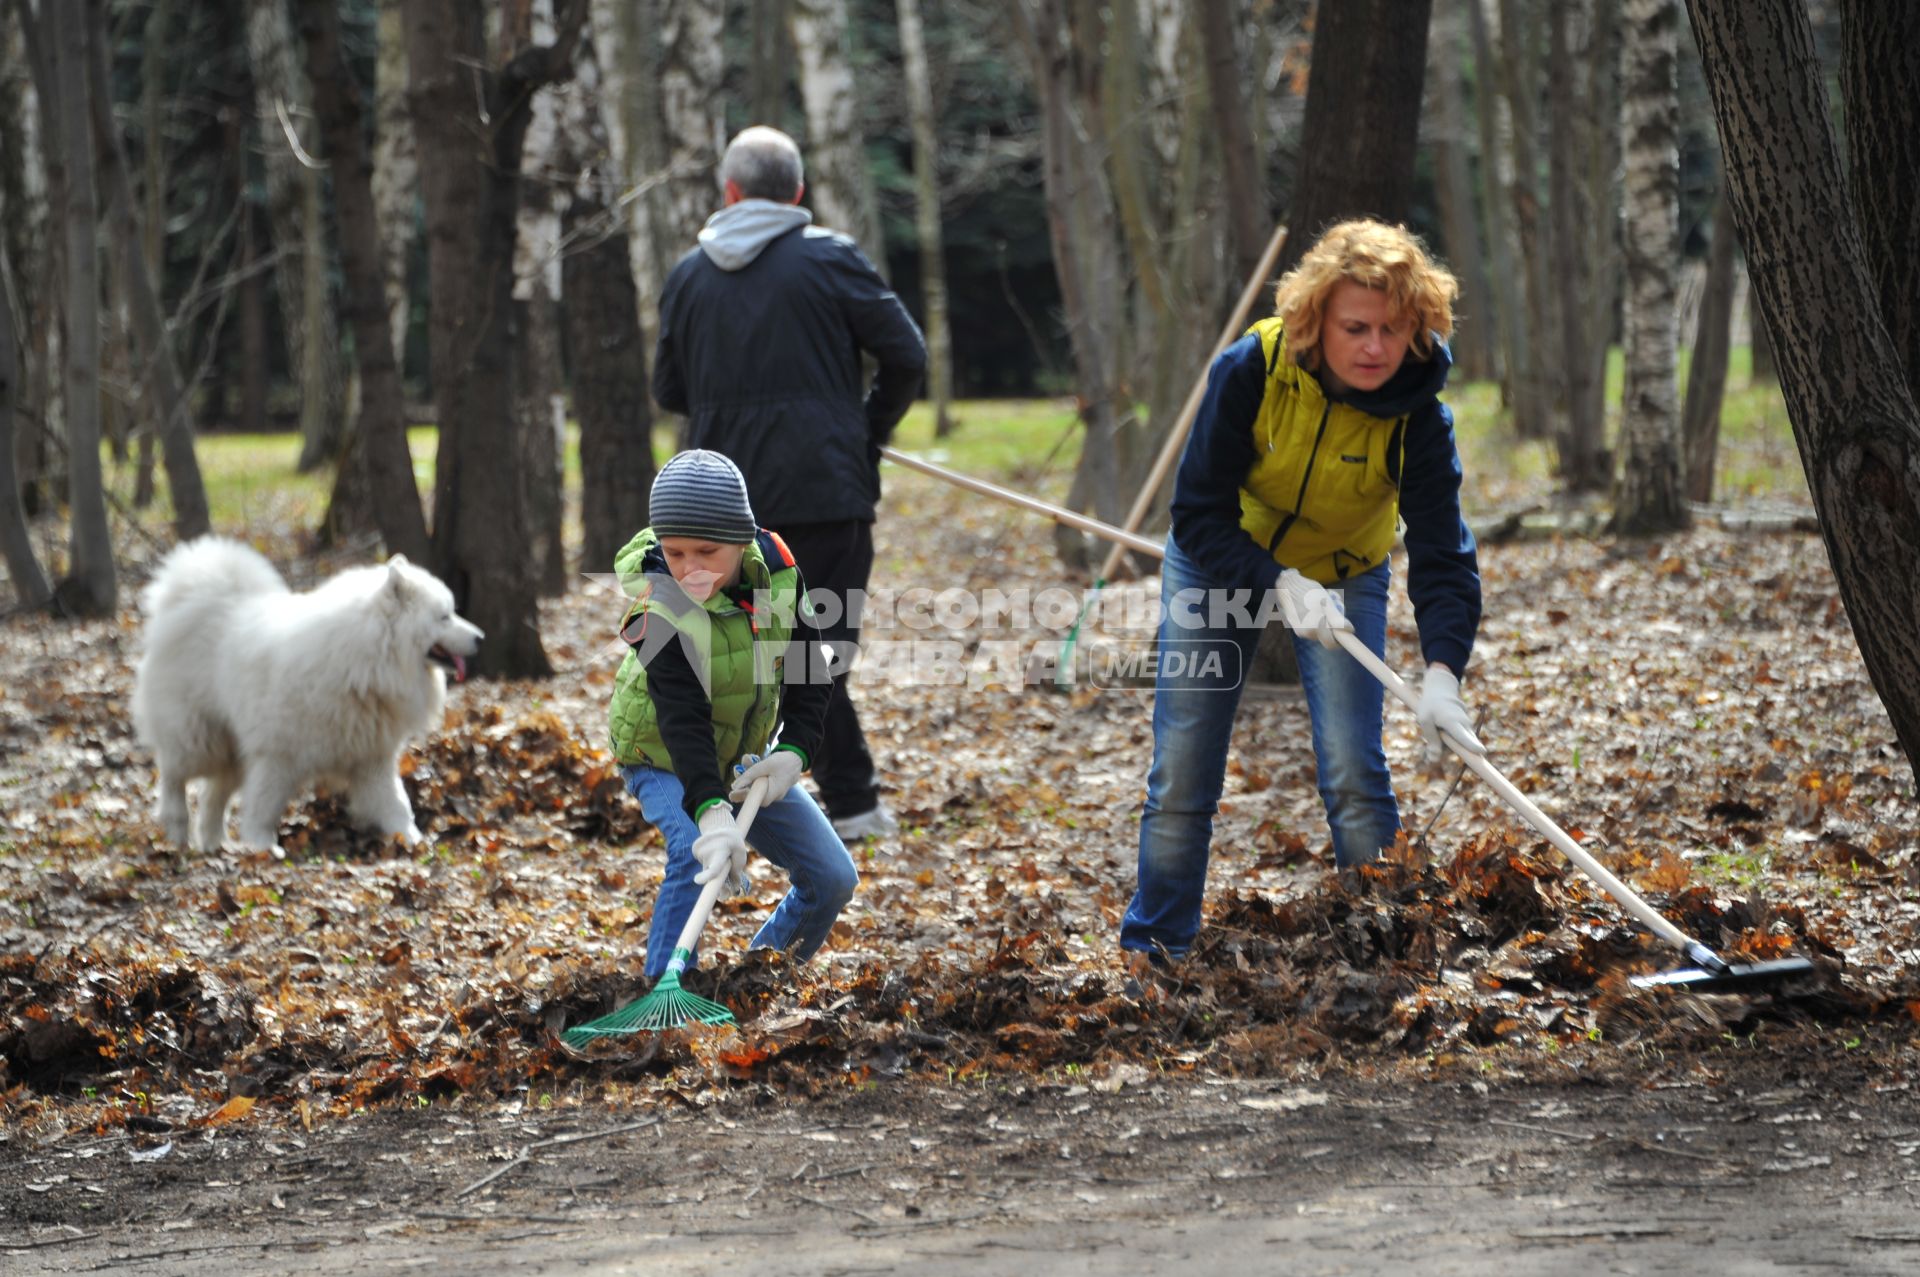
x,y
206,569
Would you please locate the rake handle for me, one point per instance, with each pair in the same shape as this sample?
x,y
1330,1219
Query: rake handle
x,y
1629,899
710,894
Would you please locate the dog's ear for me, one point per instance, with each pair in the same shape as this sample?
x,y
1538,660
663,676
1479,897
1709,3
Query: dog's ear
x,y
397,561
396,579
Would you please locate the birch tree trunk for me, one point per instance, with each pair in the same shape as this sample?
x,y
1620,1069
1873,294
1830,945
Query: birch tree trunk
x,y
926,190
692,115
1650,497
90,587
1846,380
396,175
375,476
539,398
293,206
839,180
628,55
1707,372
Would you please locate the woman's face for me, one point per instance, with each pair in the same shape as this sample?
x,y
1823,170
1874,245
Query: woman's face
x,y
701,567
1362,344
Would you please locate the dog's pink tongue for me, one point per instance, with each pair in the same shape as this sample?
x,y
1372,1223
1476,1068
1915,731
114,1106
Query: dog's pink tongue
x,y
459,668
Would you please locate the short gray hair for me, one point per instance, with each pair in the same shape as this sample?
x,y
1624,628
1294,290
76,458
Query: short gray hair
x,y
764,163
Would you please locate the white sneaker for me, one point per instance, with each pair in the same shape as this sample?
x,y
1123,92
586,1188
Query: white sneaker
x,y
878,823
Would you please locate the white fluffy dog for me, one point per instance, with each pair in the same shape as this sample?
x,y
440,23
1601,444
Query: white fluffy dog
x,y
263,691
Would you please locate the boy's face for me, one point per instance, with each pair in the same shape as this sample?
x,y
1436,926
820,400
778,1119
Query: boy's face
x,y
701,567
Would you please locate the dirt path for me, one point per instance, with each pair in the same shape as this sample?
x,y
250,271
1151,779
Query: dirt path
x,y
1749,1170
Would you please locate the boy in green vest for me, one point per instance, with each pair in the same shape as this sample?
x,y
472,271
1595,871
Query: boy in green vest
x,y
724,653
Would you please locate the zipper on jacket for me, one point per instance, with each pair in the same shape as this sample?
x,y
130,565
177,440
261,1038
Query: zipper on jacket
x,y
1301,499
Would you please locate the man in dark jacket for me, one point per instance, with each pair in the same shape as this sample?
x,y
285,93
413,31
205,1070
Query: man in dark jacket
x,y
761,332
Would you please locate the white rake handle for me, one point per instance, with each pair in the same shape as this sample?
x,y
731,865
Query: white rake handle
x,y
1620,891
710,894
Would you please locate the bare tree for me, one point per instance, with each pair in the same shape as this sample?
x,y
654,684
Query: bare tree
x,y
1475,337
1243,182
1817,273
839,180
1516,342
396,173
626,41
169,417
376,460
90,587
1707,372
472,192
926,190
1650,497
284,101
23,566
538,386
769,60
1584,464
1536,388
607,353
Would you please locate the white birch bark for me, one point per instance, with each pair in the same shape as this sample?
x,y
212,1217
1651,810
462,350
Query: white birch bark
x,y
396,170
627,56
839,183
1650,494
691,112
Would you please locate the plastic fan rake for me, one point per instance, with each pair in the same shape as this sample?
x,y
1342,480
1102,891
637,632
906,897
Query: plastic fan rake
x,y
669,1006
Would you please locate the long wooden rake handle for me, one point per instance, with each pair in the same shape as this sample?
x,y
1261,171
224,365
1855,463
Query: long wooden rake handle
x,y
710,894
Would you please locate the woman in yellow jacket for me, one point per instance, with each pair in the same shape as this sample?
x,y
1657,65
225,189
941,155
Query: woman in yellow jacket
x,y
1321,430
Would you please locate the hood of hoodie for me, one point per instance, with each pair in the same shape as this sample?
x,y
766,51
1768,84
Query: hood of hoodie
x,y
1417,383
738,233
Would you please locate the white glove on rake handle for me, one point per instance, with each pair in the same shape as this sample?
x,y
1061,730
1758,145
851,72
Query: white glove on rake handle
x,y
1442,710
1310,611
781,769
721,849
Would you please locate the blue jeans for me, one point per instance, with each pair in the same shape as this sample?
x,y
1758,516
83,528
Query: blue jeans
x,y
791,833
1196,691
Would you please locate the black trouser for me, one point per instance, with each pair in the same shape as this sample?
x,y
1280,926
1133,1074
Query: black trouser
x,y
836,559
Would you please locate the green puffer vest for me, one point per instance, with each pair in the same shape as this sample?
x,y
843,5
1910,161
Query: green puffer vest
x,y
742,655
1319,497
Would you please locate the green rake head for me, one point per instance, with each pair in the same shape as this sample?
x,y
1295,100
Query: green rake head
x,y
667,1007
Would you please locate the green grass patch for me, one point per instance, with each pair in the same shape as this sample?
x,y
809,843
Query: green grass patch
x,y
1032,445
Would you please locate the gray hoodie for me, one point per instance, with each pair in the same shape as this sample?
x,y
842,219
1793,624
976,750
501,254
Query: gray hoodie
x,y
734,236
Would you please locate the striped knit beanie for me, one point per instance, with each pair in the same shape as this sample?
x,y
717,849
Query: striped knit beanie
x,y
701,494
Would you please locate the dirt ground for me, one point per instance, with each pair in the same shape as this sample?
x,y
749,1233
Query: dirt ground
x,y
1742,1164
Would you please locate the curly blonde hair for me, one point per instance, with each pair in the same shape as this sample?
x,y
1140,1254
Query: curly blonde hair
x,y
1376,255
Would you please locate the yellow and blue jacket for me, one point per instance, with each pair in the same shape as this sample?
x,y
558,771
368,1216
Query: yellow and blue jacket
x,y
1282,473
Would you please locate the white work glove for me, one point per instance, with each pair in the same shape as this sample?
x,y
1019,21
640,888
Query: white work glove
x,y
720,848
781,768
1310,611
1442,710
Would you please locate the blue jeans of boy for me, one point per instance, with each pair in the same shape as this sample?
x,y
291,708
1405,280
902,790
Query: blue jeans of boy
x,y
792,833
1204,653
